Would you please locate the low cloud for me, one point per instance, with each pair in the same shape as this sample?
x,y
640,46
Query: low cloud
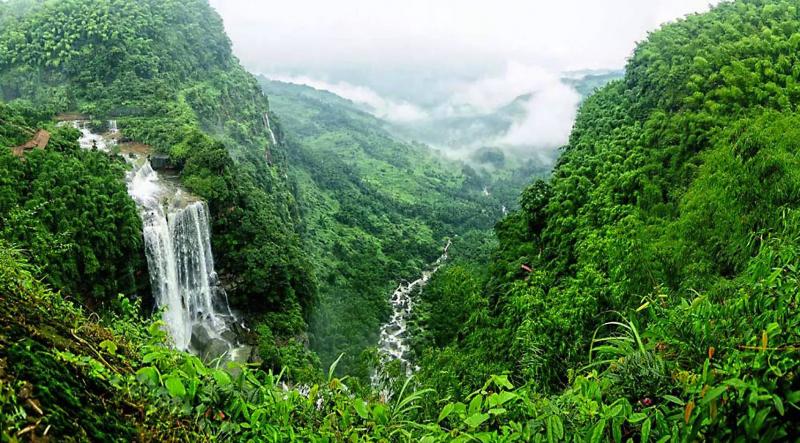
x,y
549,118
416,61
392,110
542,122
549,112
490,93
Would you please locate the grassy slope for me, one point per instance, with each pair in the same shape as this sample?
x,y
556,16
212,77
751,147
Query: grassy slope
x,y
56,374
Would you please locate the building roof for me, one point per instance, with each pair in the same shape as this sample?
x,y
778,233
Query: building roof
x,y
39,141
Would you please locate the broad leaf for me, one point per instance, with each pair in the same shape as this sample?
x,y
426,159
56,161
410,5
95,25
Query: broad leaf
x,y
475,420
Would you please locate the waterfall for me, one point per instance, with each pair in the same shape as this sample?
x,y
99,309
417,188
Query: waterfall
x,y
90,140
112,127
269,129
177,241
392,345
177,238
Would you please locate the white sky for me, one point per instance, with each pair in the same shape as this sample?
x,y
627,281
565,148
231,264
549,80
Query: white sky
x,y
410,60
319,37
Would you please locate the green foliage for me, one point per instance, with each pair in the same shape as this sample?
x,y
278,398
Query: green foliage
x,y
456,296
254,234
54,363
374,210
165,72
674,205
114,42
646,292
70,212
161,394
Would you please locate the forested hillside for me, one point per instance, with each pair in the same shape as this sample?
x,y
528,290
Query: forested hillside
x,y
69,210
646,291
374,211
657,265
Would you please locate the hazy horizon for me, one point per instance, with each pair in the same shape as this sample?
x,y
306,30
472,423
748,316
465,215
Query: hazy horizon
x,y
416,61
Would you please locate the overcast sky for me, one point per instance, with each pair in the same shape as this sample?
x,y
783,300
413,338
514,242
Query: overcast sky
x,y
334,38
410,59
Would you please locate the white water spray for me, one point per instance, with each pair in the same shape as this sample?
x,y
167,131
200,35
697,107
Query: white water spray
x,y
177,237
90,140
392,345
269,129
178,248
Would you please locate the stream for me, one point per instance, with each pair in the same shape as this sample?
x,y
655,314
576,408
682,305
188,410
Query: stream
x,y
392,345
185,285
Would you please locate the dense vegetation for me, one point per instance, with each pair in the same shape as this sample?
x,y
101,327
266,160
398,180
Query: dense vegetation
x,y
69,210
66,376
647,291
662,253
165,71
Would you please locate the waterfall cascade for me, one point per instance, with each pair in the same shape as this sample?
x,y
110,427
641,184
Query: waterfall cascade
x,y
392,344
269,129
177,238
90,140
178,248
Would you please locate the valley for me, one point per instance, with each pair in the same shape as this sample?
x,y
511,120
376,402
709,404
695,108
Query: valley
x,y
193,252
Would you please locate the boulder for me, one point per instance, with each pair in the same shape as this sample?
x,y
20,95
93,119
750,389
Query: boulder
x,y
200,337
230,335
242,354
215,349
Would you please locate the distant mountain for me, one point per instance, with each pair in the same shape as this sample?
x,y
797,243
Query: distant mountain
x,y
462,135
587,82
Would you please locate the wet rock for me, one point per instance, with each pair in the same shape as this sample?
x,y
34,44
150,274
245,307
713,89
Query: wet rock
x,y
230,335
392,328
216,348
242,354
160,162
200,337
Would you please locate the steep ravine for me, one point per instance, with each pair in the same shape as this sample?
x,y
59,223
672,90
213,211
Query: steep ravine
x,y
393,345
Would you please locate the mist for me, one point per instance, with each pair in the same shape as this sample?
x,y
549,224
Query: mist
x,y
452,63
549,116
385,108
